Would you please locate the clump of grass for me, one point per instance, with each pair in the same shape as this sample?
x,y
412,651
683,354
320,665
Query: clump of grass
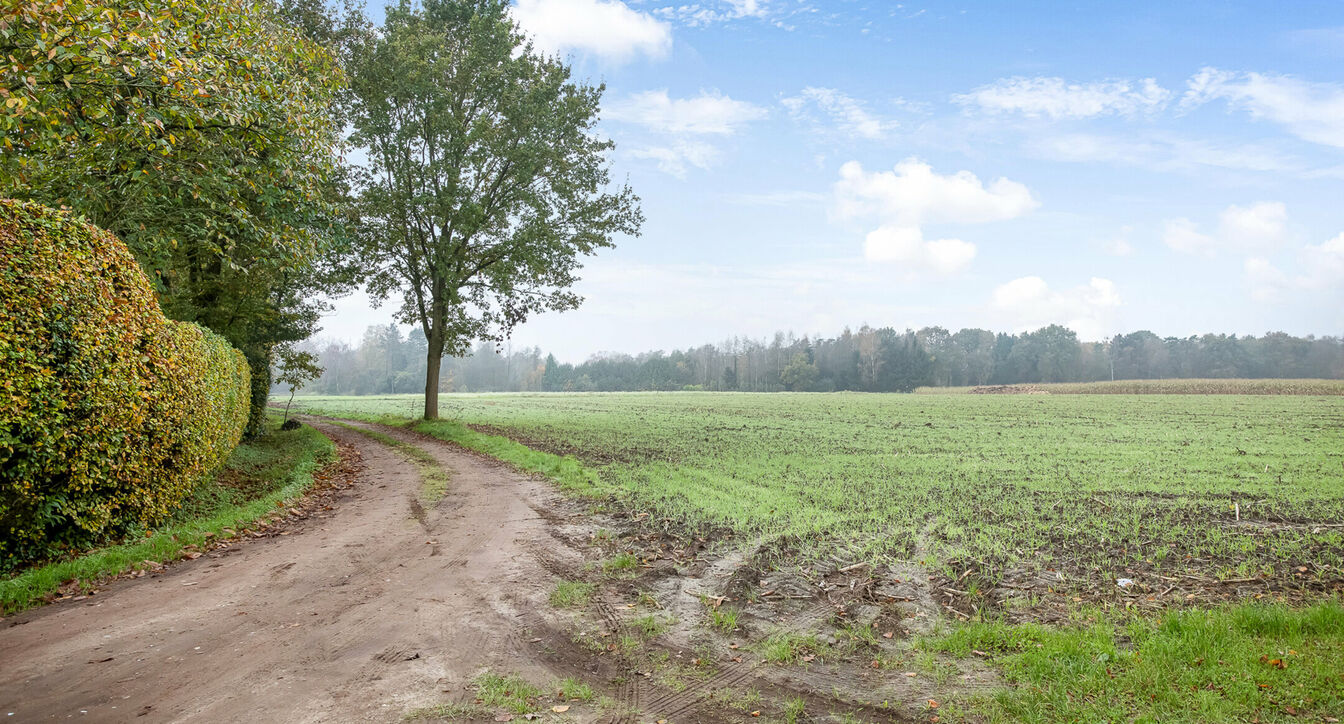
x,y
1235,663
857,636
571,594
724,619
571,689
494,693
787,647
508,692
794,710
624,562
650,626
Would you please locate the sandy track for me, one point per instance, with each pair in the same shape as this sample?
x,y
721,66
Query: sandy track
x,y
361,616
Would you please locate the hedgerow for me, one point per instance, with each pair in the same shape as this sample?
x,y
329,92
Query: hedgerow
x,y
109,412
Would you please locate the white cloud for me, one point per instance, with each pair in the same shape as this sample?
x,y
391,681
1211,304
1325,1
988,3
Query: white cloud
x,y
1259,227
847,114
1322,270
699,15
1164,152
1029,303
676,157
707,113
1311,111
906,245
1325,265
748,8
1055,98
606,28
913,194
1267,282
1183,235
682,122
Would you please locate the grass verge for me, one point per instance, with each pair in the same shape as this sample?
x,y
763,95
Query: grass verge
x,y
1247,662
256,477
565,471
433,477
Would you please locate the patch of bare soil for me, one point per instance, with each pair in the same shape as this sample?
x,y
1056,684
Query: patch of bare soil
x,y
1051,595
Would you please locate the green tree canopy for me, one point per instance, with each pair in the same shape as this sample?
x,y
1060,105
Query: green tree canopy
x,y
203,134
799,374
487,182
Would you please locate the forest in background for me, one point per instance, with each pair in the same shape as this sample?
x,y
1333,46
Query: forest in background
x,y
386,361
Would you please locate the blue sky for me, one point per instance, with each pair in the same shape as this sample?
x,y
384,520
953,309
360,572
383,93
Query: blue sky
x,y
808,165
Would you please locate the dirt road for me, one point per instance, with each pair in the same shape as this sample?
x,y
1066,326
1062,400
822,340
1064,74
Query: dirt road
x,y
395,600
384,606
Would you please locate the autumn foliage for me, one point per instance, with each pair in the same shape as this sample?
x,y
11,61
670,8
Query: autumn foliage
x,y
109,412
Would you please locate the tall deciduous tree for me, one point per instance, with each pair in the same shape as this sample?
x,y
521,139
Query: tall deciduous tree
x,y
487,182
203,133
799,374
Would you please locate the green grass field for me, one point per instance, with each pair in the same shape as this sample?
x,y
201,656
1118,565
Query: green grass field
x,y
1080,490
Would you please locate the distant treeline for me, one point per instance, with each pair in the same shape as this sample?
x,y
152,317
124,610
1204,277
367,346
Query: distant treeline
x,y
873,360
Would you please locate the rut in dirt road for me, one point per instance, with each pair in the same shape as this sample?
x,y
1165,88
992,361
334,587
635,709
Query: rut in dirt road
x,y
362,616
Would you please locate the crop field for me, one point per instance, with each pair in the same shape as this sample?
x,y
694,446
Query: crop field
x,y
1186,386
1007,497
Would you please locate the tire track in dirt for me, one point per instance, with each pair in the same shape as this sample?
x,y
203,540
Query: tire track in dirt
x,y
671,704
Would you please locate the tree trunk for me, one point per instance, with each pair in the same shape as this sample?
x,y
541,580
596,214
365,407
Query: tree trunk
x,y
433,361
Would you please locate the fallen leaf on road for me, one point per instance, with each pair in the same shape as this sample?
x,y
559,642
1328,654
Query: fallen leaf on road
x,y
560,708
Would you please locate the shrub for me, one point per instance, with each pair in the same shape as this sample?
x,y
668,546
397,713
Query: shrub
x,y
109,412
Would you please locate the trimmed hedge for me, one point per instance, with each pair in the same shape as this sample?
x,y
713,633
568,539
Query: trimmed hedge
x,y
109,412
